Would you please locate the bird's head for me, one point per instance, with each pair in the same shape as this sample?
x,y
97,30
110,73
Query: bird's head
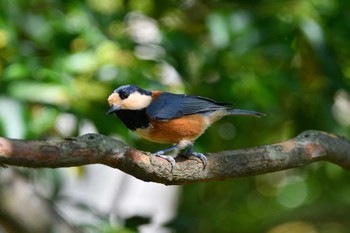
x,y
129,97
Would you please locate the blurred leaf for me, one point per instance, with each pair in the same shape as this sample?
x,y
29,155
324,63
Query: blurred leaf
x,y
12,118
40,92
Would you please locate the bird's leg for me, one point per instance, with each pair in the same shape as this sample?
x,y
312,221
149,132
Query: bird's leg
x,y
167,157
179,147
201,156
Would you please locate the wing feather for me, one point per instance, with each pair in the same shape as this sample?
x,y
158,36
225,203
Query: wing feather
x,y
170,106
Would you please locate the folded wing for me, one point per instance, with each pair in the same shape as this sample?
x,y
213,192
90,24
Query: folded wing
x,y
170,106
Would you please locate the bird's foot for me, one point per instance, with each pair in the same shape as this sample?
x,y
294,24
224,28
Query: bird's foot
x,y
169,158
201,156
188,153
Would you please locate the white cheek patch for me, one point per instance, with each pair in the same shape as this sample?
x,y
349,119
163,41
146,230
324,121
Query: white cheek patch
x,y
136,101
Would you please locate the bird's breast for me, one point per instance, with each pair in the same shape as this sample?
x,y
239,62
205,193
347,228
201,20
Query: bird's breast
x,y
188,127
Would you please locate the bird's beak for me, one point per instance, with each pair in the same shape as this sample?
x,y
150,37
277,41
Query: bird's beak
x,y
113,108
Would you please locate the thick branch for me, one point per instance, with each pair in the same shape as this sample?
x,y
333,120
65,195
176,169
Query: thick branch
x,y
307,147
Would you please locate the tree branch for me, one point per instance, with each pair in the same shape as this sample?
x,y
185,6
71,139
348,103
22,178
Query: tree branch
x,y
309,146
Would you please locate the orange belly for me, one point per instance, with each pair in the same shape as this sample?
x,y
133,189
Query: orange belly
x,y
173,131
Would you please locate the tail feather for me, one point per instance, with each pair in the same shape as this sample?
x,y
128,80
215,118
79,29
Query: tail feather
x,y
245,112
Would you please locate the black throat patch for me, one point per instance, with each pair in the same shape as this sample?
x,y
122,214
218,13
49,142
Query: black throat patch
x,y
133,119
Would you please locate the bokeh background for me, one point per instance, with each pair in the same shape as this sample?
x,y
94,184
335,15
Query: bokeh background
x,y
59,60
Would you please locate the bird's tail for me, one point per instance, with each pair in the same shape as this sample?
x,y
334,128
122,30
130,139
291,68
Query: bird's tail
x,y
245,112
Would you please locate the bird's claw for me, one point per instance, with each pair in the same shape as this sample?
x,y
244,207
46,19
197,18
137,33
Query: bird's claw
x,y
170,159
189,152
202,157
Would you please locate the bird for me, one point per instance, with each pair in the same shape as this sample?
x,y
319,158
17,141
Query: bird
x,y
168,118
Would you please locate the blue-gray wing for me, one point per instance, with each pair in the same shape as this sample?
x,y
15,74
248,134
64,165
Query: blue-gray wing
x,y
170,106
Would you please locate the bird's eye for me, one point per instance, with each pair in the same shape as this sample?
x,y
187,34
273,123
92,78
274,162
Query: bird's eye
x,y
123,95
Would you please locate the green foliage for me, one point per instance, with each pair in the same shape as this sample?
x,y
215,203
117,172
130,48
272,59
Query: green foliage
x,y
288,59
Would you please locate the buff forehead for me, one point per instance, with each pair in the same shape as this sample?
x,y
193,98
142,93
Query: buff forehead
x,y
114,99
135,101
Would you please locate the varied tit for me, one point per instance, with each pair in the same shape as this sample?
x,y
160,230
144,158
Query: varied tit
x,y
165,117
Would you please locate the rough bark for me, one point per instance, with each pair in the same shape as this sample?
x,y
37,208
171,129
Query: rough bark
x,y
309,146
